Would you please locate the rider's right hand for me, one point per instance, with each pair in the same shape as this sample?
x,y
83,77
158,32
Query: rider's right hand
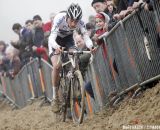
x,y
59,49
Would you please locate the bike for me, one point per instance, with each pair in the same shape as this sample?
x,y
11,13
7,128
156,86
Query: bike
x,y
71,86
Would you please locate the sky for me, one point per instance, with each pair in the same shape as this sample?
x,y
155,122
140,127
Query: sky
x,y
13,11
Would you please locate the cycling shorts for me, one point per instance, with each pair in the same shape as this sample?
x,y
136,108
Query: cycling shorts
x,y
66,42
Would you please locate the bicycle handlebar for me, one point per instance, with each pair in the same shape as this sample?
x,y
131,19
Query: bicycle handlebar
x,y
76,52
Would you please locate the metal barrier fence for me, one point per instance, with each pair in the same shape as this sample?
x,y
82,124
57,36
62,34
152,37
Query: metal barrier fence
x,y
47,78
143,44
24,83
1,87
130,56
24,87
1,90
34,72
9,90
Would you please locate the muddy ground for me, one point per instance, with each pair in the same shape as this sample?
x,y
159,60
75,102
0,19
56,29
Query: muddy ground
x,y
144,110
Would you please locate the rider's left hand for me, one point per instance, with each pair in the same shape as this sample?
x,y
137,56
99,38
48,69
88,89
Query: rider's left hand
x,y
93,49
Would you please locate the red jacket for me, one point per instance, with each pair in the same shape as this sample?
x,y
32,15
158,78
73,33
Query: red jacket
x,y
100,32
101,42
47,26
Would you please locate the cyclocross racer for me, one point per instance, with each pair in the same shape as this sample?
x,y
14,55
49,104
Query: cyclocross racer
x,y
62,36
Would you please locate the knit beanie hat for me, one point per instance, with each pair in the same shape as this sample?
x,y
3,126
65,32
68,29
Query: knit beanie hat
x,y
95,1
100,16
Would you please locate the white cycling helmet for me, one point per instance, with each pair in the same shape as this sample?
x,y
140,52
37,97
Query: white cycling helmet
x,y
74,12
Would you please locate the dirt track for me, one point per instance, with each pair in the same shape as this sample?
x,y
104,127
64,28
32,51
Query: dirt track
x,y
141,111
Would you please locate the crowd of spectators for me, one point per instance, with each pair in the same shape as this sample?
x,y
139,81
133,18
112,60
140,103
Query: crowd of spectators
x,y
31,43
33,36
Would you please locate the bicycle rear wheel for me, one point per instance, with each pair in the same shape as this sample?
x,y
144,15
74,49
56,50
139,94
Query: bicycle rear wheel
x,y
77,100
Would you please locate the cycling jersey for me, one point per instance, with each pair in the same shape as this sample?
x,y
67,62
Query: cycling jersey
x,y
61,29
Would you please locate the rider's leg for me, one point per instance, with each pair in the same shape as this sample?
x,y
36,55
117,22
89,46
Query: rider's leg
x,y
55,82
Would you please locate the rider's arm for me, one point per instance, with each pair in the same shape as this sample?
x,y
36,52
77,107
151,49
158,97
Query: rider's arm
x,y
55,27
52,40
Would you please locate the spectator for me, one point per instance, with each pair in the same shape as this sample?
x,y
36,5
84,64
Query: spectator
x,y
89,90
91,19
41,52
102,21
47,29
12,62
101,6
2,66
120,5
2,47
40,46
90,29
16,29
47,26
79,42
25,42
149,5
29,24
124,7
110,9
84,61
108,2
38,35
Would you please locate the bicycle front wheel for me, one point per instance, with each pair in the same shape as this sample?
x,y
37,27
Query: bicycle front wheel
x,y
77,100
63,96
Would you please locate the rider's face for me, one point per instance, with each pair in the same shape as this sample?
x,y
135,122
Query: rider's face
x,y
72,23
